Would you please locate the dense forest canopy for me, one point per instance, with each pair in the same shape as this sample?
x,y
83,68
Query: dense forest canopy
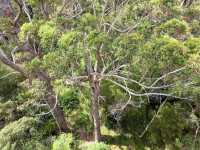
x,y
99,74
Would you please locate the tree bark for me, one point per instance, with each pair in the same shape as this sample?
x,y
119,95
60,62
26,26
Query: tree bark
x,y
57,113
95,92
51,99
9,63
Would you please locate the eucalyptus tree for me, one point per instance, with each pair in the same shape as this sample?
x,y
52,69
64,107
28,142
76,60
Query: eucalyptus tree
x,y
9,36
88,43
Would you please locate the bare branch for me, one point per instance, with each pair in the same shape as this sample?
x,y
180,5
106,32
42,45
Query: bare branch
x,y
145,94
76,10
76,80
138,83
62,8
154,117
19,13
13,53
51,110
128,29
44,9
167,74
26,11
118,15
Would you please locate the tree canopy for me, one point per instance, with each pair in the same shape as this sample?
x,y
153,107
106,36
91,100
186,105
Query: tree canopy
x,y
94,74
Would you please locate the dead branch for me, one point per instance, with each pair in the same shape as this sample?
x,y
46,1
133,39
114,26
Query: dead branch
x,y
126,89
26,11
16,20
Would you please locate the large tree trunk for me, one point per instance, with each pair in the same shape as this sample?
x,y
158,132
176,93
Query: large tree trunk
x,y
52,101
95,91
57,112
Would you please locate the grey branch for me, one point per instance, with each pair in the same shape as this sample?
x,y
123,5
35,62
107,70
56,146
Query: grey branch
x,y
11,64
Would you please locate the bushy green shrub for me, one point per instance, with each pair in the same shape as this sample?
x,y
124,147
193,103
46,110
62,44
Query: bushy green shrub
x,y
63,142
95,38
47,34
174,27
193,44
34,145
69,99
162,2
195,27
194,62
171,119
16,133
8,84
29,30
67,38
192,13
88,19
94,146
8,110
163,52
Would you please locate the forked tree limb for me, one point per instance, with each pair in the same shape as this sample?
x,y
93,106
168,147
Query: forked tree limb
x,y
11,64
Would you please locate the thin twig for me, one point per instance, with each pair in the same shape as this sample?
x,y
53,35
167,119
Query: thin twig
x,y
154,117
165,75
51,110
9,74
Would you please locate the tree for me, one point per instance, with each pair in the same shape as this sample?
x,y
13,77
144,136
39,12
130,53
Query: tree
x,y
88,43
27,46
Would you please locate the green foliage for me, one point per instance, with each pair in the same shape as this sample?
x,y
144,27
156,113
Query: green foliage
x,y
34,145
29,30
25,29
174,27
6,23
130,43
138,39
67,39
165,51
8,110
69,99
33,2
145,27
162,2
94,146
95,38
193,45
194,61
8,83
48,127
34,64
63,142
169,119
32,94
87,21
192,13
47,32
136,125
16,133
83,121
195,27
56,63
